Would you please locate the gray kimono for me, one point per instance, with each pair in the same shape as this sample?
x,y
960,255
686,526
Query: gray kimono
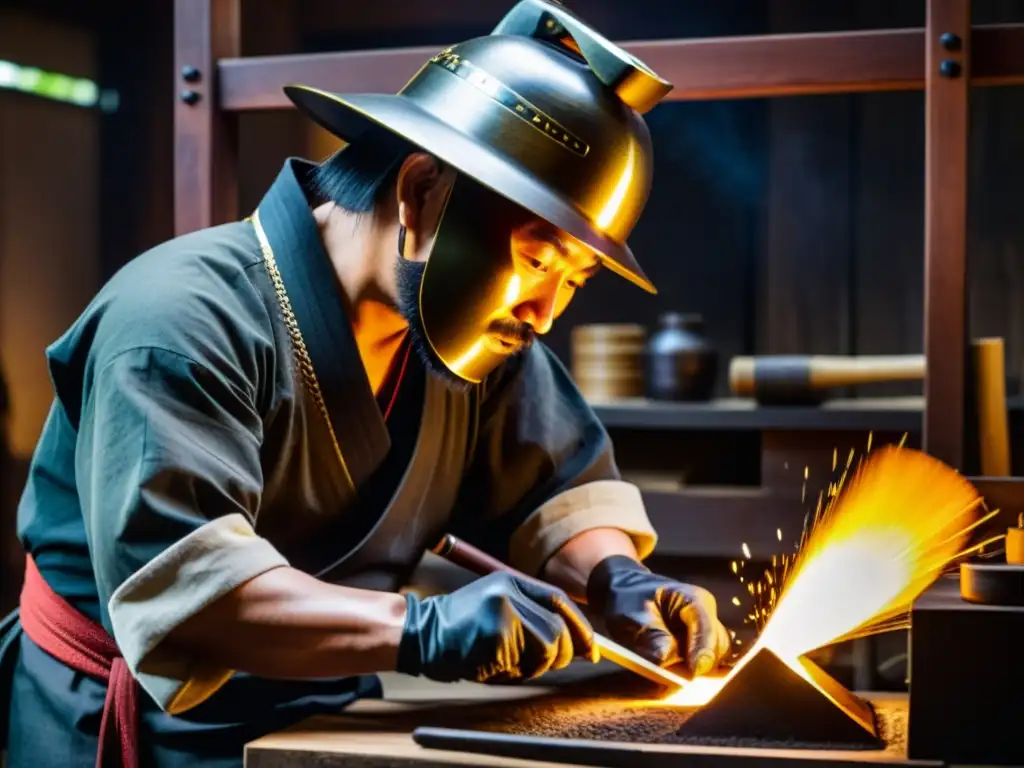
x,y
212,420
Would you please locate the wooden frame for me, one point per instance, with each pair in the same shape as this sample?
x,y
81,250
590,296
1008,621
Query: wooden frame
x,y
945,59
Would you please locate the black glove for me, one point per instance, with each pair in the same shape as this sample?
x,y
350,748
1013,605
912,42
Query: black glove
x,y
657,617
500,627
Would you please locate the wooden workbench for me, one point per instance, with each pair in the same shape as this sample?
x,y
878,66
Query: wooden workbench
x,y
375,734
378,734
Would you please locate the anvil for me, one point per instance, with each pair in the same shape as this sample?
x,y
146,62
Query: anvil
x,y
770,700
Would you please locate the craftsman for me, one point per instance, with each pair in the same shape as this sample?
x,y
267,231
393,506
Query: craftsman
x,y
259,428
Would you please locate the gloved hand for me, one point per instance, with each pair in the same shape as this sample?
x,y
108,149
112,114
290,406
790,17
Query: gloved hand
x,y
500,627
662,620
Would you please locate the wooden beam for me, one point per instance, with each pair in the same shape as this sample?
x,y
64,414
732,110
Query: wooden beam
x,y
205,145
711,68
779,65
947,78
255,82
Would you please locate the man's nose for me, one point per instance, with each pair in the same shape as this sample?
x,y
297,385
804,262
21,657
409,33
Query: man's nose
x,y
538,311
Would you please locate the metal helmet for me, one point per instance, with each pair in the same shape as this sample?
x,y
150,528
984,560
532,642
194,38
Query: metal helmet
x,y
541,117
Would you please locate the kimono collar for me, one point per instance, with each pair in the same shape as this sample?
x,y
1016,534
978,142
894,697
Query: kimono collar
x,y
313,308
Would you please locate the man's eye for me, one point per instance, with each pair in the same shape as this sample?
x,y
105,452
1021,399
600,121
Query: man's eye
x,y
537,264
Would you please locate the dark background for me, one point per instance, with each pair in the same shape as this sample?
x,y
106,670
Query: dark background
x,y
792,225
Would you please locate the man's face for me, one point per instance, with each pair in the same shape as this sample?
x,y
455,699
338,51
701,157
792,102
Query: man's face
x,y
548,266
495,285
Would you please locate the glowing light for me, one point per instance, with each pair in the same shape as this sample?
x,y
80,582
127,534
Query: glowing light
x,y
698,691
902,519
614,201
512,290
468,356
56,86
746,551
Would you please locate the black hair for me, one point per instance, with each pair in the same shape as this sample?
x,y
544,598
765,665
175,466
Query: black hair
x,y
358,175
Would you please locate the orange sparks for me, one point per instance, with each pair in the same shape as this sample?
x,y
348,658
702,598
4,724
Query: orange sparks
x,y
888,531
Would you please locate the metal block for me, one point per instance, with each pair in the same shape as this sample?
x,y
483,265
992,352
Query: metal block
x,y
966,679
770,701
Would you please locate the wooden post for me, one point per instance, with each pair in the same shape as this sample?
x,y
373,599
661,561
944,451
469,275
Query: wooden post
x,y
947,61
205,146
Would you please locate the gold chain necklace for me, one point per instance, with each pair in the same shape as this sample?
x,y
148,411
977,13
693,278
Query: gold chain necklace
x,y
301,353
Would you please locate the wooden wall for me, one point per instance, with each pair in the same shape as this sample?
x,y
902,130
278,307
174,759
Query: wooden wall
x,y
136,200
791,225
795,225
49,184
49,244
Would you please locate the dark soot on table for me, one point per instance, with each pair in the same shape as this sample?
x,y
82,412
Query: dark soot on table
x,y
625,709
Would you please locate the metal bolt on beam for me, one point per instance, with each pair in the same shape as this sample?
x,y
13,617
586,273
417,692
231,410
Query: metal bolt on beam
x,y
950,69
950,42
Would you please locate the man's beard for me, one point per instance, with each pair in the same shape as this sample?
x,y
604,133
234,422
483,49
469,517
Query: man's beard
x,y
409,275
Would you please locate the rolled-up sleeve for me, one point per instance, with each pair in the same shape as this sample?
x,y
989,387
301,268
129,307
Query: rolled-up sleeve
x,y
542,468
169,476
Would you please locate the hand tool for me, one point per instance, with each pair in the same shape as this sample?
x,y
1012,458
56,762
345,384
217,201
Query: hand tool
x,y
806,379
469,557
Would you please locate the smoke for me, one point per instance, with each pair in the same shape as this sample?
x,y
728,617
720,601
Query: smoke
x,y
720,144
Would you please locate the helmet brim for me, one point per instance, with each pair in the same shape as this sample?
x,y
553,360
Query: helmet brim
x,y
349,116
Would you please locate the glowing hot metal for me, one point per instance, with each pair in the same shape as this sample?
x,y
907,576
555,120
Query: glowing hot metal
x,y
809,707
902,518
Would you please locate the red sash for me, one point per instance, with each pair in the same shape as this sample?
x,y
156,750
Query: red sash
x,y
83,645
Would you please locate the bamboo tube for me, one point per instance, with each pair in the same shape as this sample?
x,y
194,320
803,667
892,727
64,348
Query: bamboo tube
x,y
807,378
993,426
607,361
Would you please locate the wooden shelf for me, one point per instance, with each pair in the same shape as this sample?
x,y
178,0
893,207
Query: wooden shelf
x,y
891,414
877,414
